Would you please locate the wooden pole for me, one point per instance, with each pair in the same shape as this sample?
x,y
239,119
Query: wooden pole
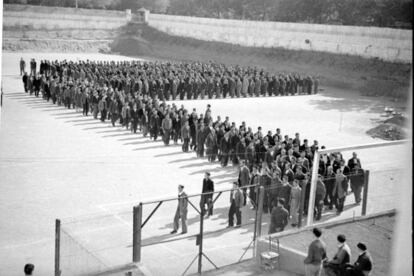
x,y
312,195
200,244
57,248
261,191
365,194
302,201
136,235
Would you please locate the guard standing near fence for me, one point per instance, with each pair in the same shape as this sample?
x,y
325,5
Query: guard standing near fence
x,y
181,212
208,187
236,202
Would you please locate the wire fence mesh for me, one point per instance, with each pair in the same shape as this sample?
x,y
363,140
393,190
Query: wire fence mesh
x,y
95,244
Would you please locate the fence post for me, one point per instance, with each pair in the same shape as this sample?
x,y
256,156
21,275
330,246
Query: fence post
x,y
302,202
314,179
200,244
365,195
261,191
57,247
136,238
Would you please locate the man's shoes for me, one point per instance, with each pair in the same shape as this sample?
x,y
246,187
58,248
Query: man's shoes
x,y
229,226
173,231
182,233
237,226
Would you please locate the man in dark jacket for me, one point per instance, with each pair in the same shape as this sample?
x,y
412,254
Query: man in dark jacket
x,y
363,264
208,187
211,145
25,80
225,149
357,177
278,217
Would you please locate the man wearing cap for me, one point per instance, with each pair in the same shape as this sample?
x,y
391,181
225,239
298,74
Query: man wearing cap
x,y
363,264
316,255
181,211
340,261
208,187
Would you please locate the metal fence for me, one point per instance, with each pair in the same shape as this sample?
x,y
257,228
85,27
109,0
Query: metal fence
x,y
119,240
210,241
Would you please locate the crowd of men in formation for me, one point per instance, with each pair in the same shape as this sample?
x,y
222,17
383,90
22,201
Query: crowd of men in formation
x,y
133,94
125,80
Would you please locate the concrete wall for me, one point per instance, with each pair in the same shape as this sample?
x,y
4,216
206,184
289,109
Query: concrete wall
x,y
38,17
291,259
384,43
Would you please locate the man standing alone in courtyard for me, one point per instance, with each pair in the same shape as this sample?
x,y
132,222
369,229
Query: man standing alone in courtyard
x,y
181,212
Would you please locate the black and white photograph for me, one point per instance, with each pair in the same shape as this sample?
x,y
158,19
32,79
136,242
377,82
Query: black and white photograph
x,y
206,137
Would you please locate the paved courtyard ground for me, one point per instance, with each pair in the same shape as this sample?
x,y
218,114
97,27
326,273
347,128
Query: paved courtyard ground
x,y
55,163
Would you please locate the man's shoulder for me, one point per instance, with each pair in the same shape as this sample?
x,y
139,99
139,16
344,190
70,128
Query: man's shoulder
x,y
318,243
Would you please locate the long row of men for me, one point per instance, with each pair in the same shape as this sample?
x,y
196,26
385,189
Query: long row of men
x,y
167,80
282,164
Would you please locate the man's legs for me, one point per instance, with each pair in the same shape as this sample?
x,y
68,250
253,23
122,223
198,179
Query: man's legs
x,y
176,220
231,213
184,224
210,204
357,193
238,215
202,204
312,270
245,196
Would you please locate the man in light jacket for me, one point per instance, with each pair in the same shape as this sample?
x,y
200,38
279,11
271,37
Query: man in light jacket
x,y
181,212
236,202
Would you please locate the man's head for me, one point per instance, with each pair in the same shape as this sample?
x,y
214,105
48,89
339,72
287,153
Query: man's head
x,y
180,188
207,175
361,247
280,202
317,232
341,239
235,185
28,269
354,155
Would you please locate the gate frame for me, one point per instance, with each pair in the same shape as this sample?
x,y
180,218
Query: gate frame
x,y
138,224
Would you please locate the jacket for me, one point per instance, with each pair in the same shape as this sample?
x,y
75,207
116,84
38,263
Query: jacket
x,y
278,219
316,253
244,176
182,205
238,197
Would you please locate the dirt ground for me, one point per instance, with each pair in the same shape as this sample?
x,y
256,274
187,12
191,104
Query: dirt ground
x,y
55,163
